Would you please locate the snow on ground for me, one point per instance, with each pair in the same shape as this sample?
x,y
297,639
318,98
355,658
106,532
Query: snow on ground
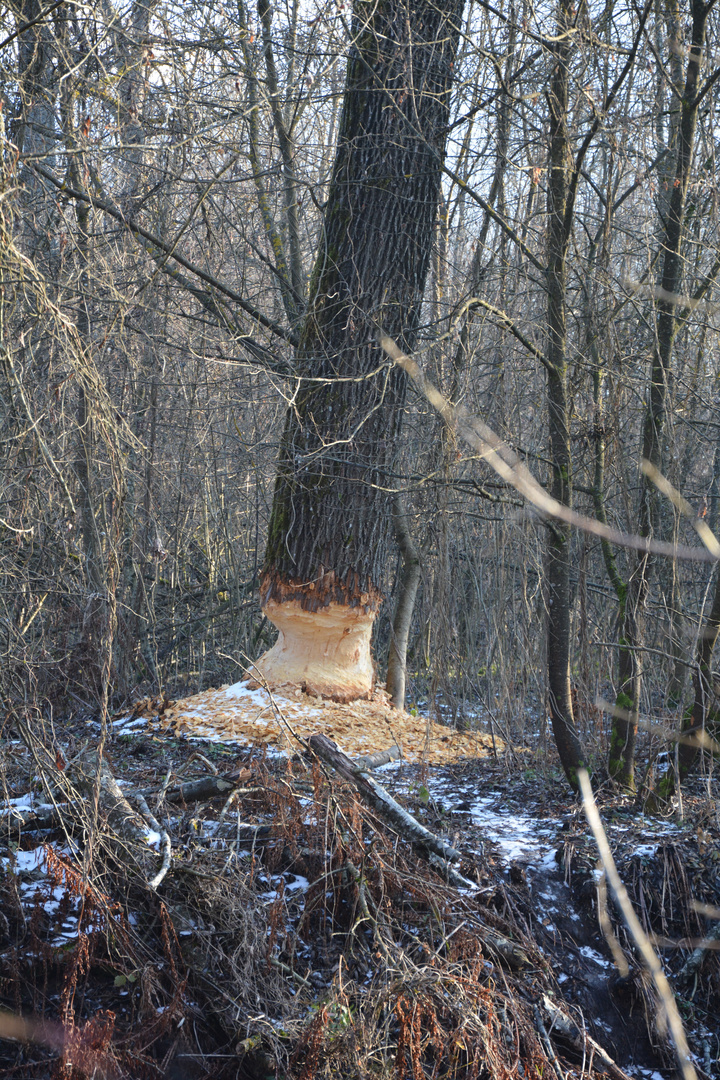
x,y
35,888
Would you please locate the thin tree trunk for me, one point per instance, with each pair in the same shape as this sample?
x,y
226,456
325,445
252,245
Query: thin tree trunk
x,y
558,547
695,721
621,763
409,581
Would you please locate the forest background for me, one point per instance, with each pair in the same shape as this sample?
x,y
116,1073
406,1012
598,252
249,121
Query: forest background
x,y
164,174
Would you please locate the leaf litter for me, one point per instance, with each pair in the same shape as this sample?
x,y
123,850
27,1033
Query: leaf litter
x,y
297,935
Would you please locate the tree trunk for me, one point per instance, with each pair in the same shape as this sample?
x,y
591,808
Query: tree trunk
x,y
327,543
558,549
621,763
694,724
409,581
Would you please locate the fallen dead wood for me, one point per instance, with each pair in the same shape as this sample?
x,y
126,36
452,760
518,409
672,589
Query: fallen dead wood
x,y
561,1023
374,761
694,962
162,835
210,787
515,957
206,787
45,817
425,841
93,778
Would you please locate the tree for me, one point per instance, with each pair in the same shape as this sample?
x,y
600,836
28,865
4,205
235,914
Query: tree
x,y
556,363
322,582
621,763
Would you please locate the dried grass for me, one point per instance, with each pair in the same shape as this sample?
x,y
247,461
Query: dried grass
x,y
376,969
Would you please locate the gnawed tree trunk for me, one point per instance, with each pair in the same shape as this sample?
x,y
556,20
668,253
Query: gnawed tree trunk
x,y
327,543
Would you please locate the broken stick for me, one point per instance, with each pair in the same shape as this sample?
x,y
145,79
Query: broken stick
x,y
426,842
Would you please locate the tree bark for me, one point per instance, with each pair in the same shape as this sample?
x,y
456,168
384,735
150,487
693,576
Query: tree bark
x,y
558,548
327,542
621,762
409,581
695,720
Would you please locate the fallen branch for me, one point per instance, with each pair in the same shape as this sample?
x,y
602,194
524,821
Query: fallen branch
x,y
121,816
645,949
579,1039
167,846
391,811
45,817
693,963
515,957
374,761
207,787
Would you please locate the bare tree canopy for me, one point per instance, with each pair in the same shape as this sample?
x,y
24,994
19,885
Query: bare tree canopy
x,y
206,215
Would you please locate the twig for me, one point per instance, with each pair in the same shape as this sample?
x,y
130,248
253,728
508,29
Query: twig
x,y
163,790
289,971
155,824
365,901
545,1040
205,761
694,961
632,922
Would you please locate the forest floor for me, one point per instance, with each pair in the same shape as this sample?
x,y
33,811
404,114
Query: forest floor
x,y
297,934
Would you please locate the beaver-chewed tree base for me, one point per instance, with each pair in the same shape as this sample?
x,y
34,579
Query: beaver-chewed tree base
x,y
325,652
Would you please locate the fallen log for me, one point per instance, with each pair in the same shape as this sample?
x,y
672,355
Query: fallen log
x,y
422,839
694,962
206,787
44,817
93,778
91,774
374,761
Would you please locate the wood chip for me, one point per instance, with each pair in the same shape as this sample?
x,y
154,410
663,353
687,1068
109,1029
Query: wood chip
x,y
244,715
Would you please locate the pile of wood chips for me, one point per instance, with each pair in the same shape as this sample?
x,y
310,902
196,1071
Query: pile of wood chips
x,y
252,716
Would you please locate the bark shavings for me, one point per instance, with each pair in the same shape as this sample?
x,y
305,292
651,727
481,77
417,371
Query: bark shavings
x,y
324,589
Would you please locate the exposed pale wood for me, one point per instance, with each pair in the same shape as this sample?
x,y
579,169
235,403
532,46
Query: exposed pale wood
x,y
240,714
325,652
